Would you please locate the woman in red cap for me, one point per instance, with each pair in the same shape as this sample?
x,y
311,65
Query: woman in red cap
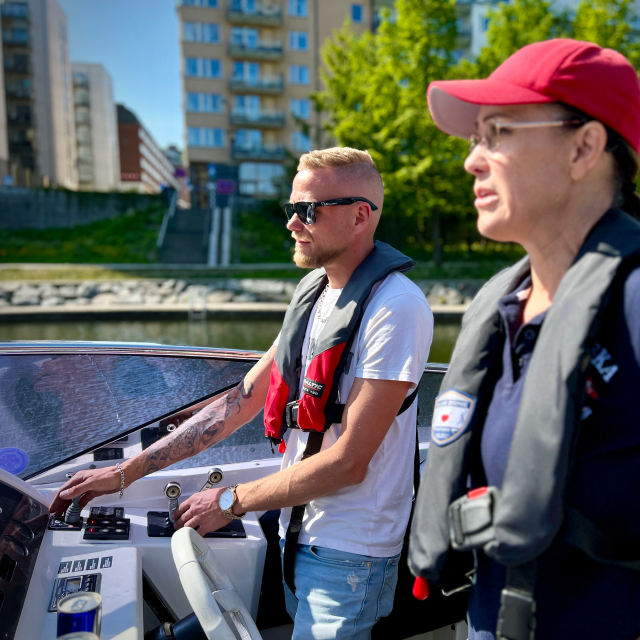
x,y
533,474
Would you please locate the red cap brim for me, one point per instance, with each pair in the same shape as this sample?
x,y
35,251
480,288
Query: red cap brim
x,y
454,104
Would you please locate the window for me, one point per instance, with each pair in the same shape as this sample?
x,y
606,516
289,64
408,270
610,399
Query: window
x,y
203,68
248,138
298,8
260,178
300,141
15,9
298,41
213,4
247,71
301,108
205,102
298,74
244,37
484,23
189,31
201,32
247,105
245,6
356,13
191,66
19,36
205,137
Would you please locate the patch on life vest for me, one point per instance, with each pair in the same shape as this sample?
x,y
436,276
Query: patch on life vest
x,y
312,388
451,416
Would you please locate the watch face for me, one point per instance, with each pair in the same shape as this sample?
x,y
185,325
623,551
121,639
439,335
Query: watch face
x,y
226,500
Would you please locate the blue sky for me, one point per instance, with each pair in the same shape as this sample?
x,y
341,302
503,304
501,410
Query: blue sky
x,y
137,42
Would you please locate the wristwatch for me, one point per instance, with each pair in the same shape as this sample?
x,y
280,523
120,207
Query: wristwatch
x,y
227,501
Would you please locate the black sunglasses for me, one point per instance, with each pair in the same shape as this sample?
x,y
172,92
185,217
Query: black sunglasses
x,y
307,210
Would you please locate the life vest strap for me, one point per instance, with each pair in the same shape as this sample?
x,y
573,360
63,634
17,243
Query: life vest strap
x,y
314,444
517,616
291,410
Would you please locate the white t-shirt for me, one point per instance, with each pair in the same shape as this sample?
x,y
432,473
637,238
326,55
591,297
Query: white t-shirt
x,y
393,343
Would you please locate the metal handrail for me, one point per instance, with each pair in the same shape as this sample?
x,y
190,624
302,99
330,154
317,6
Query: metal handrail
x,y
68,347
165,220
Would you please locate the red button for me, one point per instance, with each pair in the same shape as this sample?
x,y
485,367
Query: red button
x,y
420,589
476,493
282,447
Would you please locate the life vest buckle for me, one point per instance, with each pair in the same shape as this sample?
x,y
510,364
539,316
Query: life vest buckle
x,y
517,617
291,415
471,518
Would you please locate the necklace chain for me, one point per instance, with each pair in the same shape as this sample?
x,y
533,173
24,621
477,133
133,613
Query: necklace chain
x,y
320,301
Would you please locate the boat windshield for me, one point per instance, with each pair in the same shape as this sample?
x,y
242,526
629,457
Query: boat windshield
x,y
62,403
56,407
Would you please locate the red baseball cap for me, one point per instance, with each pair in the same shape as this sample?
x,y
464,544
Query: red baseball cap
x,y
600,82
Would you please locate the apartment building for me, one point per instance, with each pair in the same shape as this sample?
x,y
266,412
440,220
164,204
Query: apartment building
x,y
38,94
248,70
96,128
143,166
4,141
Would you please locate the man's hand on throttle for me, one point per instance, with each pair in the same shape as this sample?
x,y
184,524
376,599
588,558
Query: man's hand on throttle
x,y
201,511
92,483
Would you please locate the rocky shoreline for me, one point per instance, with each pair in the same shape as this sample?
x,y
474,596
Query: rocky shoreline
x,y
170,293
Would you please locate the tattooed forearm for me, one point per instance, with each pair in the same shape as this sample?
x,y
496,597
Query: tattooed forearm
x,y
199,432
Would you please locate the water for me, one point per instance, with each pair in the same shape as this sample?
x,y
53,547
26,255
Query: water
x,y
247,334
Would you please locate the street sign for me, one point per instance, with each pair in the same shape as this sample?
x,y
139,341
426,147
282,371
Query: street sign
x,y
226,187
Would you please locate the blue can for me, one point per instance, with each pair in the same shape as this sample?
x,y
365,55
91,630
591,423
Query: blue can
x,y
80,611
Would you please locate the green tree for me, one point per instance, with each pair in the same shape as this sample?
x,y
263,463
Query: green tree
x,y
521,22
375,99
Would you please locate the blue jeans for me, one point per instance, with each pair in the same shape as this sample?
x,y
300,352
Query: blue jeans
x,y
338,594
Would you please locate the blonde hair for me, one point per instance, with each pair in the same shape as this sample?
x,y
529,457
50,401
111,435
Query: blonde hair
x,y
334,157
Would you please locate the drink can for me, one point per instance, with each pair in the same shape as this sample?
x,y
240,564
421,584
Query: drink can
x,y
80,635
81,611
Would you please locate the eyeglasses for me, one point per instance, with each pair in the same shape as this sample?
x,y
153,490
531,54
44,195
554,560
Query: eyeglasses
x,y
491,134
307,210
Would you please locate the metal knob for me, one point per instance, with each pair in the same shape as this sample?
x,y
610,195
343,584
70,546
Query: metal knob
x,y
172,491
213,477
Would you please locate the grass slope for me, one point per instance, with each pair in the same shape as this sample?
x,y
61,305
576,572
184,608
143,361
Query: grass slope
x,y
130,237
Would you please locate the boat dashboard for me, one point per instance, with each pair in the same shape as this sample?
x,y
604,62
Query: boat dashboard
x,y
43,559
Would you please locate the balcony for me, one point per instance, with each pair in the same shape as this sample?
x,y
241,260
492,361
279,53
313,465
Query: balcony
x,y
261,15
257,51
17,64
270,85
20,119
258,153
264,119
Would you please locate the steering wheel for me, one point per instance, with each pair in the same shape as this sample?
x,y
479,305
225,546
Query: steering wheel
x,y
195,560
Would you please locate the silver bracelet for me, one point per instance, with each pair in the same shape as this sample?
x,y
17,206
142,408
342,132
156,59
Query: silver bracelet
x,y
121,479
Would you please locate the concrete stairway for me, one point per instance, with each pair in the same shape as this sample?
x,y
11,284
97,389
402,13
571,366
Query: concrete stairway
x,y
187,237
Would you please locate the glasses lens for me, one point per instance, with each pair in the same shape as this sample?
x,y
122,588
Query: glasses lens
x,y
303,209
288,210
491,135
474,141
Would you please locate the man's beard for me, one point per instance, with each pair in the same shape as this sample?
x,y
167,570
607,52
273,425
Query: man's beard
x,y
318,259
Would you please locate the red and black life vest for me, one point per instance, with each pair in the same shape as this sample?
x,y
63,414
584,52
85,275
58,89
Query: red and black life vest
x,y
318,408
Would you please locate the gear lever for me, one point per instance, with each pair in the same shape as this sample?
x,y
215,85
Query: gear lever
x,y
72,514
213,477
172,491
